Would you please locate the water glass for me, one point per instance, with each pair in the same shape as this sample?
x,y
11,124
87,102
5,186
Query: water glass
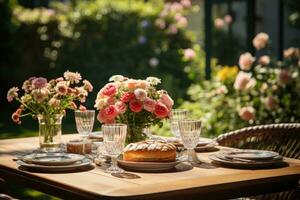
x,y
190,132
114,136
176,115
84,121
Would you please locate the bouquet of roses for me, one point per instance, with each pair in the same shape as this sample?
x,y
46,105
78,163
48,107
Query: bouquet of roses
x,y
136,103
49,98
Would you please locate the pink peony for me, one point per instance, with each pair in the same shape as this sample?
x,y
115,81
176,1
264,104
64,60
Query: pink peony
x,y
246,60
243,81
167,100
247,113
271,103
189,54
149,104
135,106
260,41
161,111
126,97
39,83
264,60
284,76
109,89
219,23
140,94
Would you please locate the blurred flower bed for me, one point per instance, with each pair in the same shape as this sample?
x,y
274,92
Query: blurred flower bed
x,y
260,90
102,38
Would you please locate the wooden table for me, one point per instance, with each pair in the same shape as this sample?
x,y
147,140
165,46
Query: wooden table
x,y
215,183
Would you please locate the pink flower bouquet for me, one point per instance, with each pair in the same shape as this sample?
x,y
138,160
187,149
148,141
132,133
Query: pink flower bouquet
x,y
47,100
136,103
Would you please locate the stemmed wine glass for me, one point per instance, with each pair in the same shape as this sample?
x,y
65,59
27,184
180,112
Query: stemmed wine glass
x,y
114,136
84,123
177,115
190,132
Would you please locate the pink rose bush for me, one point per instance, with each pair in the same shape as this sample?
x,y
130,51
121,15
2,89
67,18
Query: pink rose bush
x,y
52,97
263,90
136,103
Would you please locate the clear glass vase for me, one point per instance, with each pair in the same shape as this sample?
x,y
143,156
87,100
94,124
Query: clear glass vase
x,y
50,132
135,133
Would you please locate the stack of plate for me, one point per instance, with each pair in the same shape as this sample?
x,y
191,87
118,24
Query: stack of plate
x,y
248,158
53,161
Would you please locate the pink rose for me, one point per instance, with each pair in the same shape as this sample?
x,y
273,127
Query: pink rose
x,y
271,103
219,23
149,104
247,113
244,81
126,97
228,19
121,107
39,83
161,111
108,114
260,41
135,106
264,60
109,89
284,76
246,60
102,119
172,29
189,54
185,3
140,94
291,52
167,100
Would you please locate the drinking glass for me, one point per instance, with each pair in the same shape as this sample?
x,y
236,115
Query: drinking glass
x,y
84,123
114,136
177,115
190,132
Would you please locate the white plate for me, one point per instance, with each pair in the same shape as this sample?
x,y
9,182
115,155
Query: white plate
x,y
147,166
78,164
220,159
251,154
52,159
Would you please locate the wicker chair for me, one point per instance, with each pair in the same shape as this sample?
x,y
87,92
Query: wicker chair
x,y
282,138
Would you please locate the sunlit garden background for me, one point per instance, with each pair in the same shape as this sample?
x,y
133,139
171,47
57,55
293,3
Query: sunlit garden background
x,y
206,52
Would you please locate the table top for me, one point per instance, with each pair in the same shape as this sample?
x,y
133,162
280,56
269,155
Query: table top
x,y
95,183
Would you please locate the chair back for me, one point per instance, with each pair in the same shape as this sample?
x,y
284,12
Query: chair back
x,y
281,138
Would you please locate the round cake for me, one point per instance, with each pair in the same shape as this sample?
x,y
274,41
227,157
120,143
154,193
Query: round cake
x,y
150,151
